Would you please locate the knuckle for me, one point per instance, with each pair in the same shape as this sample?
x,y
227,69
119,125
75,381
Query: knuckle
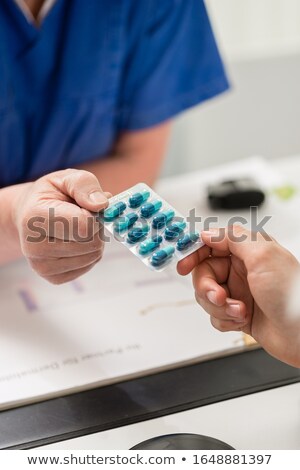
x,y
200,295
219,324
74,179
83,228
55,280
99,255
40,266
97,244
82,176
198,298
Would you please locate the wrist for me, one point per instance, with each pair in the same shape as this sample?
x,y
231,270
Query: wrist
x,y
17,196
10,200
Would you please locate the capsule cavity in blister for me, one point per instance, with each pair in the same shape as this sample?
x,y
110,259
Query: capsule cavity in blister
x,y
137,199
187,241
150,208
150,245
161,219
114,211
137,233
160,257
123,223
174,230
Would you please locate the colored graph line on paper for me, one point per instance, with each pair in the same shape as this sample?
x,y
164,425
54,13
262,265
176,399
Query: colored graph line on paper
x,y
177,304
28,300
78,286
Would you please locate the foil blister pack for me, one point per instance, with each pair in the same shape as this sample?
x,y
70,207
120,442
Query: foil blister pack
x,y
149,227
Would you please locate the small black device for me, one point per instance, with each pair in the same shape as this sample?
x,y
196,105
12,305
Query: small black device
x,y
240,193
182,441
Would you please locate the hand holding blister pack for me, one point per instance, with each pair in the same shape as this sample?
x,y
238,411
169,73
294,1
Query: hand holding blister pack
x,y
149,227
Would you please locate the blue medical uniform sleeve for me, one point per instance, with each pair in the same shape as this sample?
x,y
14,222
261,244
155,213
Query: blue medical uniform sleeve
x,y
172,62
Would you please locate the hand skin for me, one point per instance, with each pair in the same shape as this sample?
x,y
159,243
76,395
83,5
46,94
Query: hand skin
x,y
61,251
137,156
244,285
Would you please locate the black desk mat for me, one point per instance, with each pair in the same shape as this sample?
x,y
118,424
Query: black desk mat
x,y
143,398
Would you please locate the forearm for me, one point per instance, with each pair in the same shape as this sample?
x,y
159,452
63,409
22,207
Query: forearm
x,y
117,173
137,156
9,239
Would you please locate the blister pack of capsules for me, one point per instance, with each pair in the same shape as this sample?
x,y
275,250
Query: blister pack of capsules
x,y
149,227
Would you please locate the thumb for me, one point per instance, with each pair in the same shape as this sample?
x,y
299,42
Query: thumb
x,y
236,240
83,187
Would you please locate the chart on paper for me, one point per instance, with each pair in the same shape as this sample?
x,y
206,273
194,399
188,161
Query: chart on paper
x,y
120,320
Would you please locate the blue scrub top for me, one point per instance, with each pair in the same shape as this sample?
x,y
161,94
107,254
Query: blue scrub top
x,y
93,69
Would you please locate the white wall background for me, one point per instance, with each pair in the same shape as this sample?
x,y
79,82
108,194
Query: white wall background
x,y
260,42
256,27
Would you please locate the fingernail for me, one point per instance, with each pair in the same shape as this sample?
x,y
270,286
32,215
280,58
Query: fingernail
x,y
212,296
234,310
98,198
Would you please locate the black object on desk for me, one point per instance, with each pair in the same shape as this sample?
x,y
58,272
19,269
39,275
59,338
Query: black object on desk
x,y
143,398
182,441
235,194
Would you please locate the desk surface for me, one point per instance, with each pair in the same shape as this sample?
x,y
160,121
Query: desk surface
x,y
265,420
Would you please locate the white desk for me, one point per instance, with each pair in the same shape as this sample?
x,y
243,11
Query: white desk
x,y
265,420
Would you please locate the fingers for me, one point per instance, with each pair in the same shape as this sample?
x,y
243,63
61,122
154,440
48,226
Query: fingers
x,y
210,279
212,293
55,248
235,240
228,325
58,234
61,261
212,271
215,244
69,222
69,276
226,315
58,266
187,265
83,187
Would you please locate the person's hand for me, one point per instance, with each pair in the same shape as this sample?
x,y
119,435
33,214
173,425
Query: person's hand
x,y
59,235
243,281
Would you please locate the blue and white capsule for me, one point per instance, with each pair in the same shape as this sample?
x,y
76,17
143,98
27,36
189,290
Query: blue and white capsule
x,y
161,219
173,230
187,241
150,208
137,199
123,223
136,234
114,211
150,245
160,257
